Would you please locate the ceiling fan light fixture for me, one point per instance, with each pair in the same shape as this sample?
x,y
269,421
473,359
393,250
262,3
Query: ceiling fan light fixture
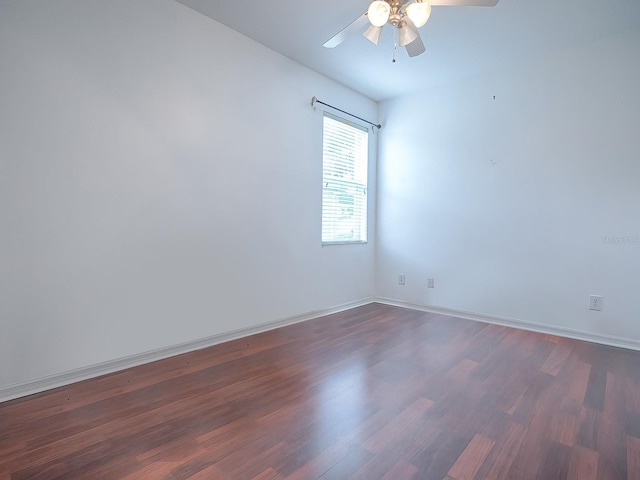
x,y
378,13
406,35
373,34
419,12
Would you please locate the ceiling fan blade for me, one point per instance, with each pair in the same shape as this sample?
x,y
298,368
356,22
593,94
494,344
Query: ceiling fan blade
x,y
416,47
339,37
464,3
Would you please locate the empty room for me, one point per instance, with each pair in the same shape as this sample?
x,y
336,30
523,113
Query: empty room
x,y
350,239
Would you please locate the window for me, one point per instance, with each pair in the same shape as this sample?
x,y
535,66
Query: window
x,y
345,159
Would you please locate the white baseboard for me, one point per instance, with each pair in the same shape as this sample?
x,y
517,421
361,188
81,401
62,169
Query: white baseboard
x,y
18,390
609,340
11,392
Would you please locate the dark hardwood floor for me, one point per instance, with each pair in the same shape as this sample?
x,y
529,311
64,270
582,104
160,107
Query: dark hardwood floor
x,y
377,392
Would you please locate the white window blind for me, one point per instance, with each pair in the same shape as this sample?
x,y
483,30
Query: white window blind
x,y
345,158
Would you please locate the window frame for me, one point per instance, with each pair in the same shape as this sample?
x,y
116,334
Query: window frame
x,y
364,237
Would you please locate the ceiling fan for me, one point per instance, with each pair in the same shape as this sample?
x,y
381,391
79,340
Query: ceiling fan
x,y
405,15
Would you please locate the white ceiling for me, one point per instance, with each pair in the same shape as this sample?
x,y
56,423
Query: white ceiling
x,y
461,42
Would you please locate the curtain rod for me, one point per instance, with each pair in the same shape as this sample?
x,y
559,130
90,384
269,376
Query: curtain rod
x,y
315,100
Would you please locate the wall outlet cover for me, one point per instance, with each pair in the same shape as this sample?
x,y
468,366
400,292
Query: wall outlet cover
x,y
595,302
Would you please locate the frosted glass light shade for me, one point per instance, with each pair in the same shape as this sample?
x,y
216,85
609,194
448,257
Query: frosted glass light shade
x,y
419,12
378,13
373,34
406,35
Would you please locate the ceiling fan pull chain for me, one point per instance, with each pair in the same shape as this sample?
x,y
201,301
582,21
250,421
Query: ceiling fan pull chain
x,y
395,45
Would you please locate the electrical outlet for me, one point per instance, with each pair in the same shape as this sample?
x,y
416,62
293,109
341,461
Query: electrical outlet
x,y
401,279
595,302
430,283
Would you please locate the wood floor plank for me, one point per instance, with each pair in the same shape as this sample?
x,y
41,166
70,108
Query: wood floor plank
x,y
576,379
175,451
460,373
268,474
209,473
375,392
154,470
583,465
554,462
563,429
435,460
556,360
594,396
633,458
498,462
632,424
397,428
471,459
587,428
632,395
348,465
611,441
310,458
401,471
392,459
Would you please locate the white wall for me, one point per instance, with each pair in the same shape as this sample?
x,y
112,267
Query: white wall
x,y
506,202
160,182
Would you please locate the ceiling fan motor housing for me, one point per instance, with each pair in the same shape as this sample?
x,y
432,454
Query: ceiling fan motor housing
x,y
395,17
